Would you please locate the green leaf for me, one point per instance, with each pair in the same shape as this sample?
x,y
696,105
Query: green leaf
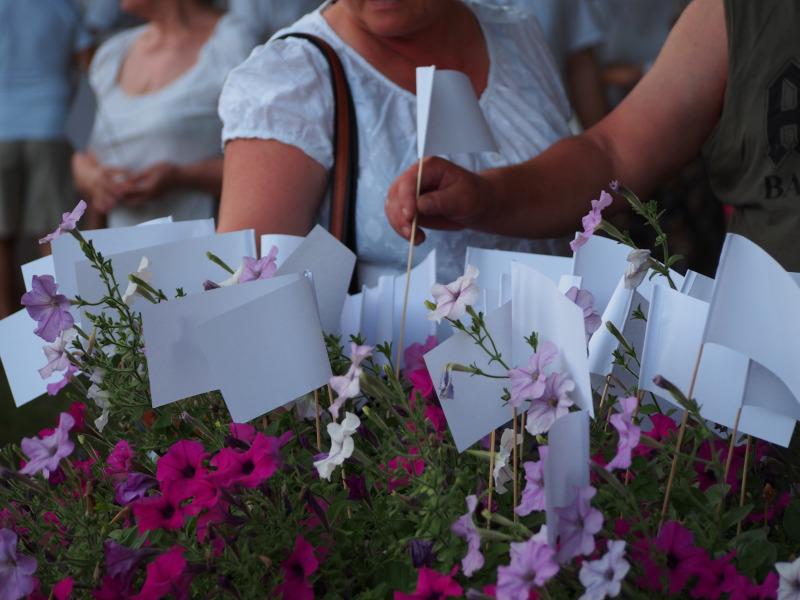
x,y
791,520
753,550
734,516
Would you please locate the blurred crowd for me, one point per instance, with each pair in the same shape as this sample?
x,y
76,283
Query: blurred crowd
x,y
115,101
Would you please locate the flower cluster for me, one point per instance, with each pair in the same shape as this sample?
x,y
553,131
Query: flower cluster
x,y
121,500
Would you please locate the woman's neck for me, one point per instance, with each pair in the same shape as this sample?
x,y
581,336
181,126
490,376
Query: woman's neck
x,y
454,40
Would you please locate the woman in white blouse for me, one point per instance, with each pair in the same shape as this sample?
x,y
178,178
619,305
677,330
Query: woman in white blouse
x,y
154,149
277,111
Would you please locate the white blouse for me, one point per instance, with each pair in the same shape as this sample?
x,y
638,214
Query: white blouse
x,y
177,123
282,92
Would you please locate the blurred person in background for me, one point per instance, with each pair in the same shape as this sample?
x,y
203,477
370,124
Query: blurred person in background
x,y
154,149
574,30
42,44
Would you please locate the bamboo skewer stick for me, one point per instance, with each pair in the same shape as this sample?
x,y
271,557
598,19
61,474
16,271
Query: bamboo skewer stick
x,y
744,480
678,443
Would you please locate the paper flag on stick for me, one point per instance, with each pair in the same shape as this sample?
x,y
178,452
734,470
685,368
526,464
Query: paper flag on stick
x,y
724,380
176,361
475,407
539,307
753,310
449,118
268,352
566,466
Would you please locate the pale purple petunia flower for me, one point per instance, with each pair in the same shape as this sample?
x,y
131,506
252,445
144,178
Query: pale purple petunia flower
x,y
16,570
591,220
45,454
348,385
552,404
49,309
68,221
533,497
259,268
342,444
640,263
56,386
531,565
585,301
528,383
603,577
56,353
464,527
789,586
629,434
577,524
453,299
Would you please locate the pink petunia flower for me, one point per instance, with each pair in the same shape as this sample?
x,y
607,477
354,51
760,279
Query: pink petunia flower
x,y
48,308
453,299
259,268
528,382
16,569
532,564
585,301
591,220
431,584
46,453
629,434
533,497
577,524
296,570
247,468
182,467
603,577
158,511
464,527
552,404
68,222
166,575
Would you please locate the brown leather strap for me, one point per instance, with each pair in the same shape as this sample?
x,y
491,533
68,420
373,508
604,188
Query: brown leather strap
x,y
345,141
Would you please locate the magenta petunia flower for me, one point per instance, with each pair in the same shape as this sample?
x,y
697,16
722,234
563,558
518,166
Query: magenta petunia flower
x,y
532,564
533,497
577,524
744,589
413,356
591,220
49,309
464,527
663,427
629,434
552,404
528,382
296,570
158,511
120,460
166,575
46,453
63,589
453,299
718,577
259,268
16,570
68,222
431,584
182,467
247,468
677,557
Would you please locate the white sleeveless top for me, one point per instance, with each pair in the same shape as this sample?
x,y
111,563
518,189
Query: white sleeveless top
x,y
282,92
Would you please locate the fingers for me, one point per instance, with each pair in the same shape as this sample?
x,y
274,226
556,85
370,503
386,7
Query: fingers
x,y
401,202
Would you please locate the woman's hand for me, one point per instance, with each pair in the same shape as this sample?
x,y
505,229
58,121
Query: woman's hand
x,y
103,187
151,183
451,198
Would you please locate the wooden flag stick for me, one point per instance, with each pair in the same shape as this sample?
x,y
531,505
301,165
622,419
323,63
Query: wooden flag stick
x,y
408,270
491,478
639,397
730,456
516,463
744,480
605,393
678,443
316,414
